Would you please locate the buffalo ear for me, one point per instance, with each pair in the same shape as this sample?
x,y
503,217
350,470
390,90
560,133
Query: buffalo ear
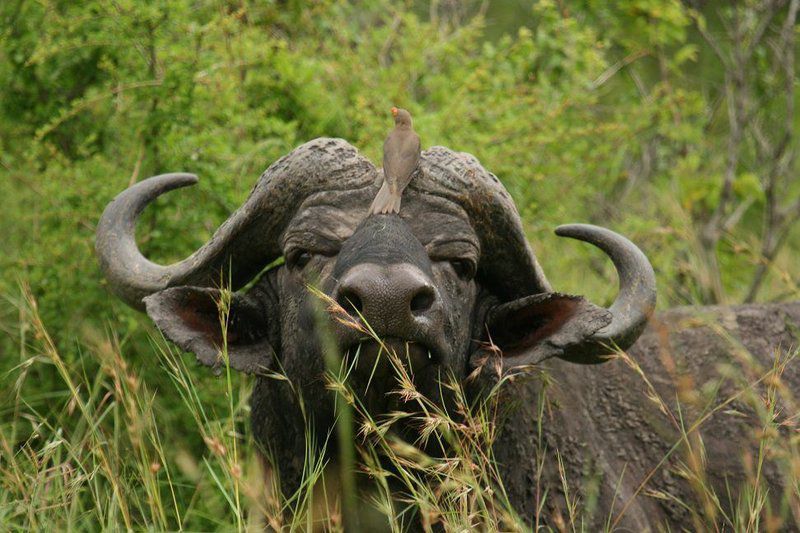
x,y
545,325
190,317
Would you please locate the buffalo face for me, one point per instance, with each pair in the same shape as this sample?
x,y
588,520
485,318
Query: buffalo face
x,y
391,277
407,281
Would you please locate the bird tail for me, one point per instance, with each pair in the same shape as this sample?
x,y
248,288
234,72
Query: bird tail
x,y
386,201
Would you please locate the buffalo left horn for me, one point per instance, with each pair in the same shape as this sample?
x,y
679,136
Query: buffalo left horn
x,y
634,303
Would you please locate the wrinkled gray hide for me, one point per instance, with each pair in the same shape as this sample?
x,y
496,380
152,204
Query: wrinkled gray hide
x,y
611,435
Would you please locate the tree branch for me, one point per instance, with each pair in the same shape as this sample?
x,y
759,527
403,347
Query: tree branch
x,y
777,220
772,8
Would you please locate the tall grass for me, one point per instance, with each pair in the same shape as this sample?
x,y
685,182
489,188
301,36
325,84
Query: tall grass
x,y
92,454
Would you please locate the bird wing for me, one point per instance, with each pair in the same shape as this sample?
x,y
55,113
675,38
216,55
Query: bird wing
x,y
400,157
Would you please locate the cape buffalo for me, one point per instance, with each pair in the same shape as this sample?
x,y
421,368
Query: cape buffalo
x,y
447,277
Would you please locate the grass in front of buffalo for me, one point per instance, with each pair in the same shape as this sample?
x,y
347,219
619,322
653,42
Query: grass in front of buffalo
x,y
94,453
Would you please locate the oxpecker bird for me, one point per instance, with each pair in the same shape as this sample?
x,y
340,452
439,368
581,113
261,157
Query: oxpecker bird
x,y
400,160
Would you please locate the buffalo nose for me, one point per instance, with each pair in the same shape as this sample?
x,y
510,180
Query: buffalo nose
x,y
393,299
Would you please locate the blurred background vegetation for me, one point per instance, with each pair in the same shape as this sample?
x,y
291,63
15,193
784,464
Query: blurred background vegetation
x,y
671,122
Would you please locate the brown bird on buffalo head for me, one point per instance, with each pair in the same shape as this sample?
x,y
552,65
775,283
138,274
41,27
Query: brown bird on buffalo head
x,y
400,160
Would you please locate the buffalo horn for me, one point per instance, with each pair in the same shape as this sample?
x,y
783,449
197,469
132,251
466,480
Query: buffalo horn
x,y
635,301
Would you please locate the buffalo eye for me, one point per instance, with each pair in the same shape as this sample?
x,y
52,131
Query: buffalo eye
x,y
298,258
464,268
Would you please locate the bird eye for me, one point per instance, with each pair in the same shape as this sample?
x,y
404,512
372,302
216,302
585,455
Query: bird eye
x,y
298,258
464,268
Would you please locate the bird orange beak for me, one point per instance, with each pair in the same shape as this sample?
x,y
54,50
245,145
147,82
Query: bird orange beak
x,y
394,111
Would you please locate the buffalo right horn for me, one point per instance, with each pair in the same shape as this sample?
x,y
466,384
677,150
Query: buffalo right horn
x,y
245,243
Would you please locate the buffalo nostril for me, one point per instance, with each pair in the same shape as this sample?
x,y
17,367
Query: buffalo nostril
x,y
351,303
423,300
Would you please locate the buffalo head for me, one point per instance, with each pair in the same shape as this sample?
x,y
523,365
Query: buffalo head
x,y
448,276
